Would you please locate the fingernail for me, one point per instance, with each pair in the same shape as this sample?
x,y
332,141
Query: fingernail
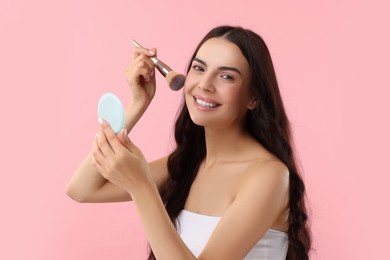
x,y
151,52
96,135
125,131
100,121
151,73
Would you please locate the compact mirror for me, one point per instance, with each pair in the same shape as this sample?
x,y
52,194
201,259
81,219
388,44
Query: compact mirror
x,y
111,109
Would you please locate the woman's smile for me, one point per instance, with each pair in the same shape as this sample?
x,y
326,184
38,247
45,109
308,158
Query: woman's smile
x,y
204,103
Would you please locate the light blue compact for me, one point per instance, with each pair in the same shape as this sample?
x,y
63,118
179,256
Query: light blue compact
x,y
111,110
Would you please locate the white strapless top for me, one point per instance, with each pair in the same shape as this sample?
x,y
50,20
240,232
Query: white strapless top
x,y
196,229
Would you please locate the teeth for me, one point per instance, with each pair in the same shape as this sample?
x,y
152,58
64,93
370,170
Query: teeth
x,y
205,104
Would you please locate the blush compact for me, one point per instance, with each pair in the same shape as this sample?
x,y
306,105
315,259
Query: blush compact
x,y
110,109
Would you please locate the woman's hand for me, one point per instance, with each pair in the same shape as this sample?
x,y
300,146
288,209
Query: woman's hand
x,y
118,160
141,77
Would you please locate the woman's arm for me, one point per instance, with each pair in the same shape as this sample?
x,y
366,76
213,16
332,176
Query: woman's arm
x,y
86,184
259,203
262,197
123,164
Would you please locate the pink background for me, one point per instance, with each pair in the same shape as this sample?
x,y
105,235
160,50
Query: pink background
x,y
58,57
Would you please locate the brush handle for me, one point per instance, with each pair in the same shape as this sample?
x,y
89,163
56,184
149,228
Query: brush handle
x,y
161,66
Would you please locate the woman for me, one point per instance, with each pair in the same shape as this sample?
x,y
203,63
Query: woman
x,y
231,188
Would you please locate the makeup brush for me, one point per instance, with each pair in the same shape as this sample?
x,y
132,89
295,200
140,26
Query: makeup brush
x,y
174,79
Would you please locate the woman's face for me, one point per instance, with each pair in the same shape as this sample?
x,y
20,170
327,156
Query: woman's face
x,y
217,85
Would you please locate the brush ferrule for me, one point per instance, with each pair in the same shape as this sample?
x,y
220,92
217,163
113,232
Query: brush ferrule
x,y
161,66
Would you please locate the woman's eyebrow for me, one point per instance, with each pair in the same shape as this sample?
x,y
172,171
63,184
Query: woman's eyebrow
x,y
220,68
200,61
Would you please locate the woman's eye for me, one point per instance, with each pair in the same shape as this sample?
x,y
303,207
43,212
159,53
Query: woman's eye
x,y
197,68
227,76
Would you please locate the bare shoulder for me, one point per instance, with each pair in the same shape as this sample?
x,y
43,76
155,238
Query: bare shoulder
x,y
267,172
260,201
264,191
266,183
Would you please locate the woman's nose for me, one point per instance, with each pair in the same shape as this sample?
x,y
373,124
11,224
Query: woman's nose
x,y
206,84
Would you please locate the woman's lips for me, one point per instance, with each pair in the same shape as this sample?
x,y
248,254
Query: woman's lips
x,y
205,103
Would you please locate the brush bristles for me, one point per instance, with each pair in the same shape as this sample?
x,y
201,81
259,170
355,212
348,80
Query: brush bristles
x,y
175,80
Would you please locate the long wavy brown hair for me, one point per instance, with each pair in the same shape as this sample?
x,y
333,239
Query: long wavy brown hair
x,y
267,123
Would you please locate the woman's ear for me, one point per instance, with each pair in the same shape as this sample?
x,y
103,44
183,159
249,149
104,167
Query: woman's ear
x,y
252,104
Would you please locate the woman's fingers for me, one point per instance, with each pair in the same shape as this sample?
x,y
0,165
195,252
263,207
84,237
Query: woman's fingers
x,y
110,143
148,52
143,55
98,159
141,58
115,156
126,142
96,164
141,68
122,136
104,145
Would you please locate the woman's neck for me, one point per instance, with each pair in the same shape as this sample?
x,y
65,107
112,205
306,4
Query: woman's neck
x,y
225,145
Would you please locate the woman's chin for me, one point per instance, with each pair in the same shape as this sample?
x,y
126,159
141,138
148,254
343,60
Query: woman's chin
x,y
197,121
200,120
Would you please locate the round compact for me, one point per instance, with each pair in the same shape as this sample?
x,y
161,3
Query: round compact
x,y
111,110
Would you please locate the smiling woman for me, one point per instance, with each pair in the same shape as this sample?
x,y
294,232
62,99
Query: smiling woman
x,y
231,188
218,81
